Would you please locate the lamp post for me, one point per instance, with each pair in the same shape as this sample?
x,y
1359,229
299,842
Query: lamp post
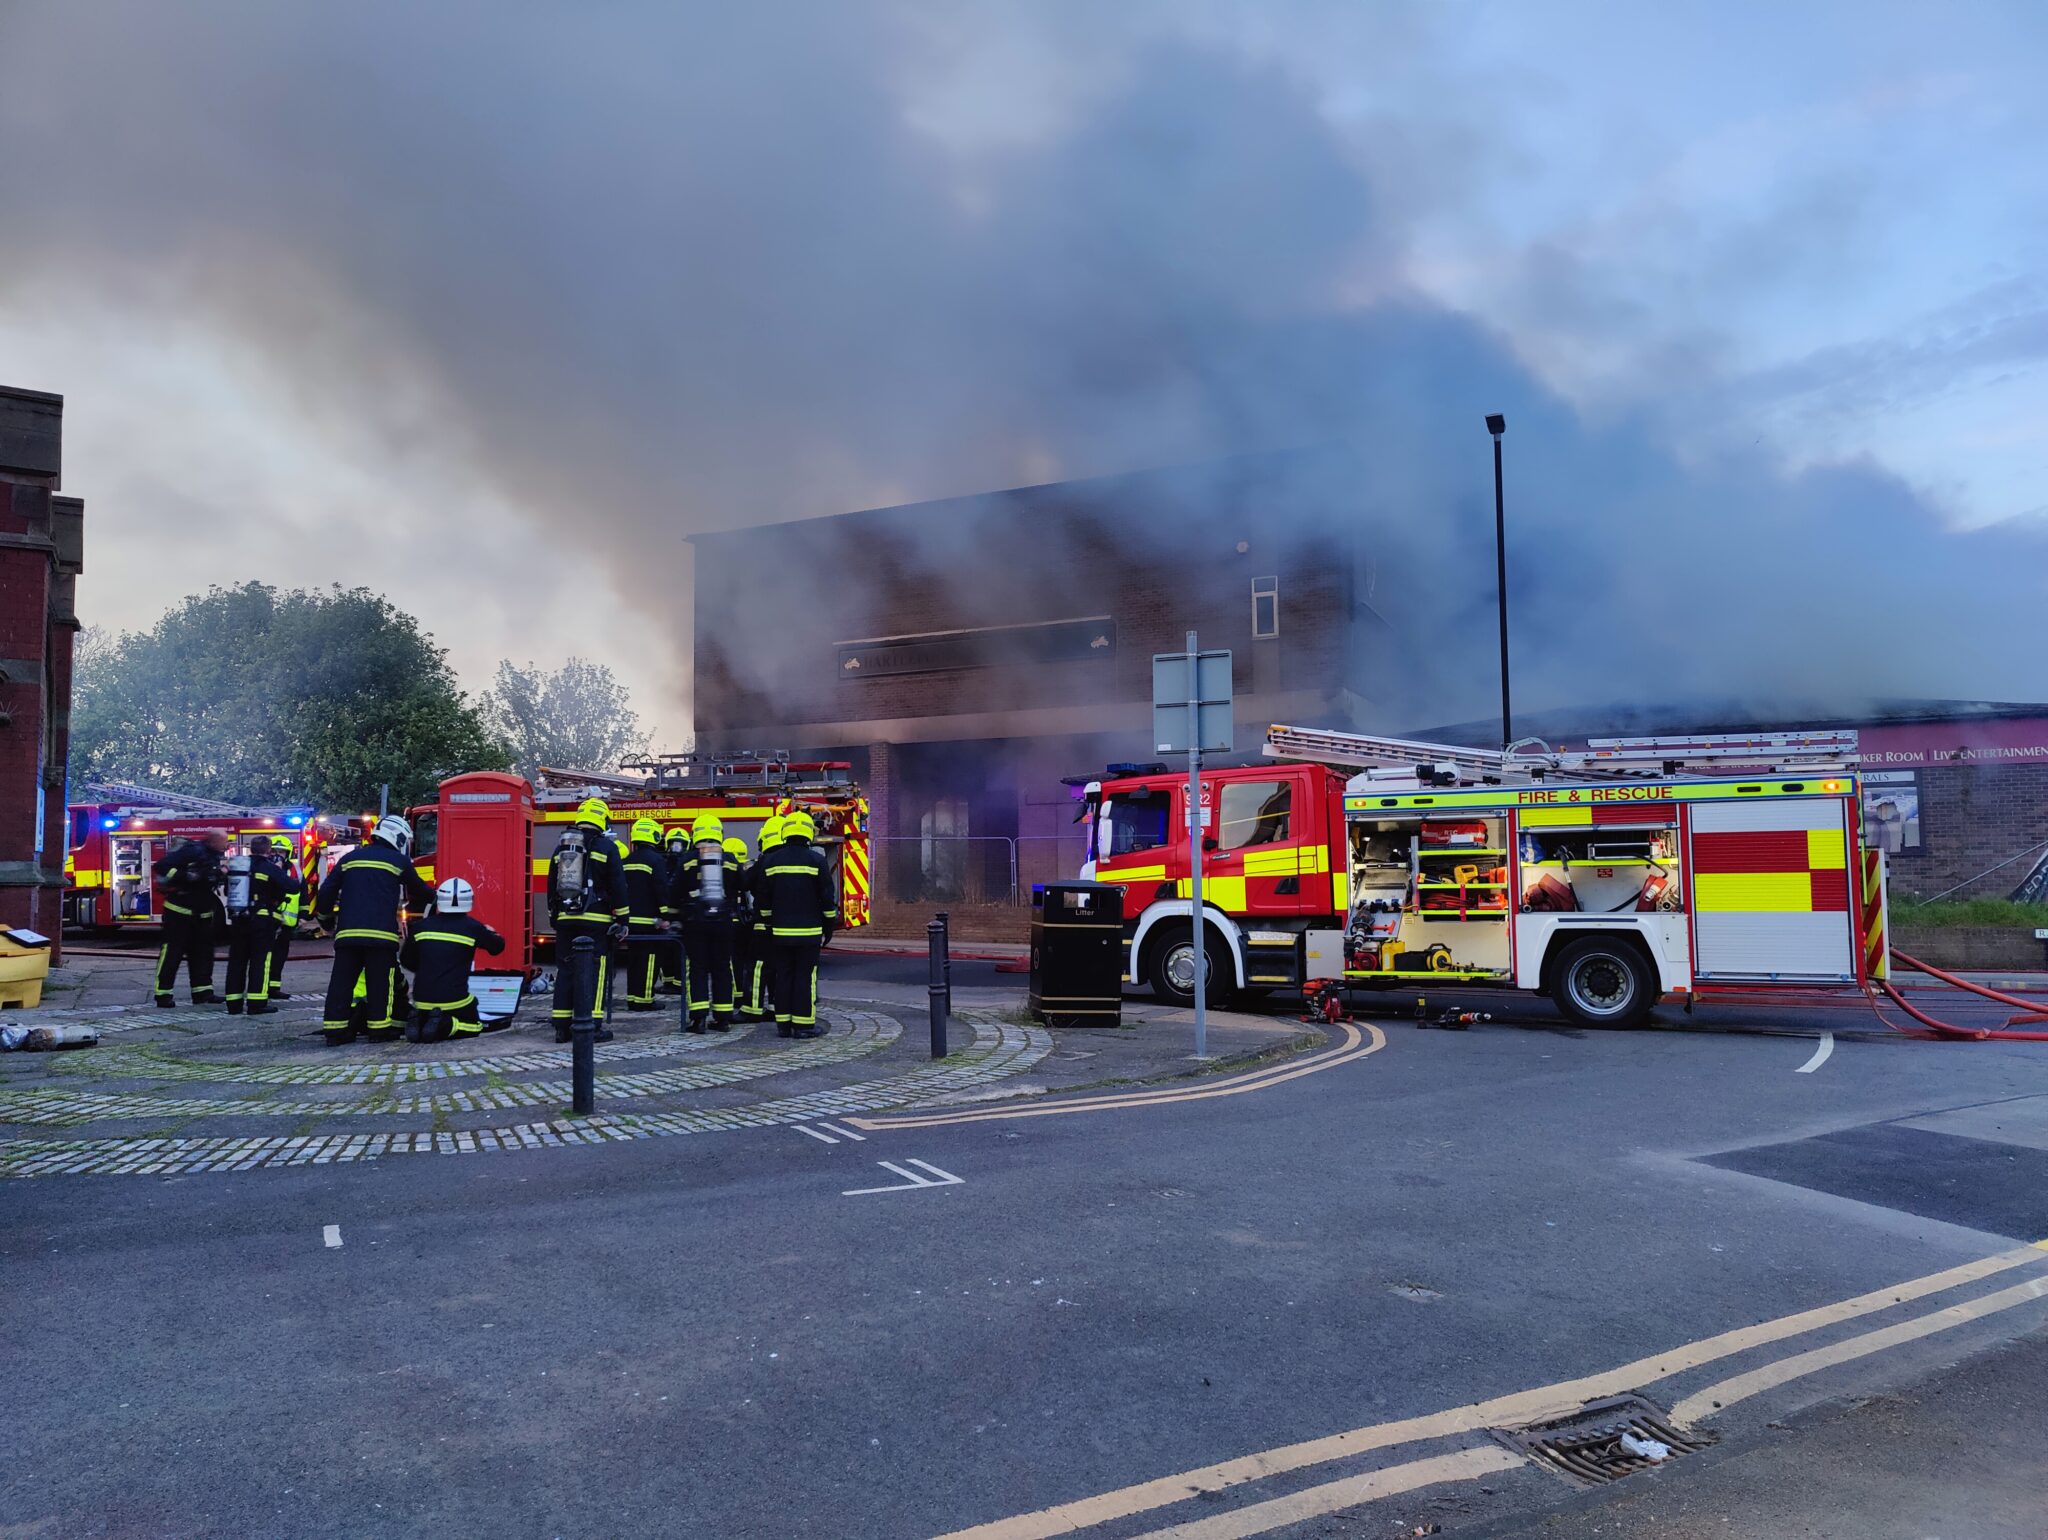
x,y
1496,424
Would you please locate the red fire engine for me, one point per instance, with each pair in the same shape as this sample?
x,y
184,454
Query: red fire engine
x,y
1606,878
498,831
116,838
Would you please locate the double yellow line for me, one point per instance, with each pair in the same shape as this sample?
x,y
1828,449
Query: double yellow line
x,y
1353,1042
1519,1408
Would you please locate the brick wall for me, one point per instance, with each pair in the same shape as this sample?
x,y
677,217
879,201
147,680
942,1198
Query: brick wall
x,y
41,554
1971,818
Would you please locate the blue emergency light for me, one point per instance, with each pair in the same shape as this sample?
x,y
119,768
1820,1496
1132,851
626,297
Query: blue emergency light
x,y
110,823
295,819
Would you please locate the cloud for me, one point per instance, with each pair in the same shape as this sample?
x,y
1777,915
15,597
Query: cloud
x,y
615,274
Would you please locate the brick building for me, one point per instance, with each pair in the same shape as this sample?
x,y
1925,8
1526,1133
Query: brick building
x,y
1956,791
966,654
42,544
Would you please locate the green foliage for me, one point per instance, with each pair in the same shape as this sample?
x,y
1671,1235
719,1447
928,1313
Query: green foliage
x,y
1969,911
576,718
269,697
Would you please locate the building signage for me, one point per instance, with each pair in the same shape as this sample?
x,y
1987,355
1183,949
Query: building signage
x,y
2011,740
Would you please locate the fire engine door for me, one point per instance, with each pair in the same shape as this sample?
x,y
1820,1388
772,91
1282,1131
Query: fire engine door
x,y
1771,890
1253,858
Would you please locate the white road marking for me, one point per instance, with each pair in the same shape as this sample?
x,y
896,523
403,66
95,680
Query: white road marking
x,y
844,1133
912,1180
332,1236
1820,1055
826,1138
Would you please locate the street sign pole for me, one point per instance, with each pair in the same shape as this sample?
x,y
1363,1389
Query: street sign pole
x,y
1195,848
1191,714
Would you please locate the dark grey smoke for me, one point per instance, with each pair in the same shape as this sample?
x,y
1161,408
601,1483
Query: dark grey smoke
x,y
659,269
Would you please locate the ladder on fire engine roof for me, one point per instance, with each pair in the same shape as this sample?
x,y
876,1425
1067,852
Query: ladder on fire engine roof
x,y
1805,751
122,793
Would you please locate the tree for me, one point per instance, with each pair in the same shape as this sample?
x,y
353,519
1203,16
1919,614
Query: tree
x,y
273,698
577,717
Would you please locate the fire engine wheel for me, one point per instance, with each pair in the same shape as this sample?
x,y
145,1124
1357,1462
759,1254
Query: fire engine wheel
x,y
1172,967
1603,982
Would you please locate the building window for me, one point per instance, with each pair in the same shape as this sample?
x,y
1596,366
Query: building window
x,y
1253,813
1265,607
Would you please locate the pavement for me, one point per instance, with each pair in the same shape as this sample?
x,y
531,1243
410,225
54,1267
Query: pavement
x,y
1097,1289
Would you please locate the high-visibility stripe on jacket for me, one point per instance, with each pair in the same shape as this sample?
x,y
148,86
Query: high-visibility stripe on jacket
x,y
686,888
604,882
441,951
270,884
364,891
187,878
794,892
646,885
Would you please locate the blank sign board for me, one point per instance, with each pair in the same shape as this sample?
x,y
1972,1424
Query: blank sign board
x,y
1172,731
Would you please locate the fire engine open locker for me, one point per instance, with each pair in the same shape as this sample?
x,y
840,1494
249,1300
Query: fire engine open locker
x,y
498,832
1606,879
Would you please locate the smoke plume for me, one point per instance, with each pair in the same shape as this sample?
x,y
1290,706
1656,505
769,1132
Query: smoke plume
x,y
651,270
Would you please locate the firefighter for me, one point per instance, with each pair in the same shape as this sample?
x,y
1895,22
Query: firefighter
x,y
670,953
798,900
647,899
361,899
738,859
586,902
441,950
751,958
189,879
705,894
256,886
287,925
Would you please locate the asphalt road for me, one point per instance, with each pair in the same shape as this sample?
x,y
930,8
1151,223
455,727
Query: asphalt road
x,y
725,1336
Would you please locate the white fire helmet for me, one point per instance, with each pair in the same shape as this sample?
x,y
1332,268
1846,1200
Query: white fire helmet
x,y
394,831
454,897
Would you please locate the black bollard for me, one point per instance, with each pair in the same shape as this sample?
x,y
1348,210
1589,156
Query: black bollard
x,y
935,951
946,957
583,1027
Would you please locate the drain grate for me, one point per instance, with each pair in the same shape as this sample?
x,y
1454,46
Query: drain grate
x,y
1587,1446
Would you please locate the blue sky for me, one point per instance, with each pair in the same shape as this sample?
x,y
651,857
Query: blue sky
x,y
490,306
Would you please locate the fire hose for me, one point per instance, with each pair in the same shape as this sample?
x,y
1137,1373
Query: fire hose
x,y
2030,1008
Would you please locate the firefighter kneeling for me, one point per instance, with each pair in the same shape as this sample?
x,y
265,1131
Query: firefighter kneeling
x,y
796,898
441,951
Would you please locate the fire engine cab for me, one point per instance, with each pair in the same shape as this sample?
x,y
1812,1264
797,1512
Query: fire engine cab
x,y
499,831
115,840
1606,878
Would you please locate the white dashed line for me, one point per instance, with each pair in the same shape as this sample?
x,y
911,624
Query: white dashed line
x,y
823,1138
844,1133
332,1236
1820,1055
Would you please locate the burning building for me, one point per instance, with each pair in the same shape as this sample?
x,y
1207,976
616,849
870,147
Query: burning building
x,y
966,654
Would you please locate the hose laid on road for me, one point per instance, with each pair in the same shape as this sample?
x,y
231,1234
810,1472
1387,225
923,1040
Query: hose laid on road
x,y
1943,1029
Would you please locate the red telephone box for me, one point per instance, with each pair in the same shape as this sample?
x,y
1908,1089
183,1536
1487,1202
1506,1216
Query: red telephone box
x,y
486,832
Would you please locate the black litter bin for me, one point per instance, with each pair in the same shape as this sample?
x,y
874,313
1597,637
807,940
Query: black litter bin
x,y
1077,954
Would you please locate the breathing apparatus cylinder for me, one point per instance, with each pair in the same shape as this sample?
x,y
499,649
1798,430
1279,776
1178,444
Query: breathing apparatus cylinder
x,y
238,888
711,873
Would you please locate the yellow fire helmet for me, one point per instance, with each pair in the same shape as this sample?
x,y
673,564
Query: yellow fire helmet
x,y
771,831
798,825
708,826
595,810
736,848
646,832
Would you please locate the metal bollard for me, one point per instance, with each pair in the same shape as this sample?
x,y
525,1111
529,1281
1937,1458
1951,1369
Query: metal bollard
x,y
583,1027
946,957
935,951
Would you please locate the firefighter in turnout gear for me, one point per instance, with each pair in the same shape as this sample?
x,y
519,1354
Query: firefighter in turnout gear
x,y
705,897
669,954
189,881
256,886
587,901
441,951
798,901
751,954
647,899
287,924
361,899
738,859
